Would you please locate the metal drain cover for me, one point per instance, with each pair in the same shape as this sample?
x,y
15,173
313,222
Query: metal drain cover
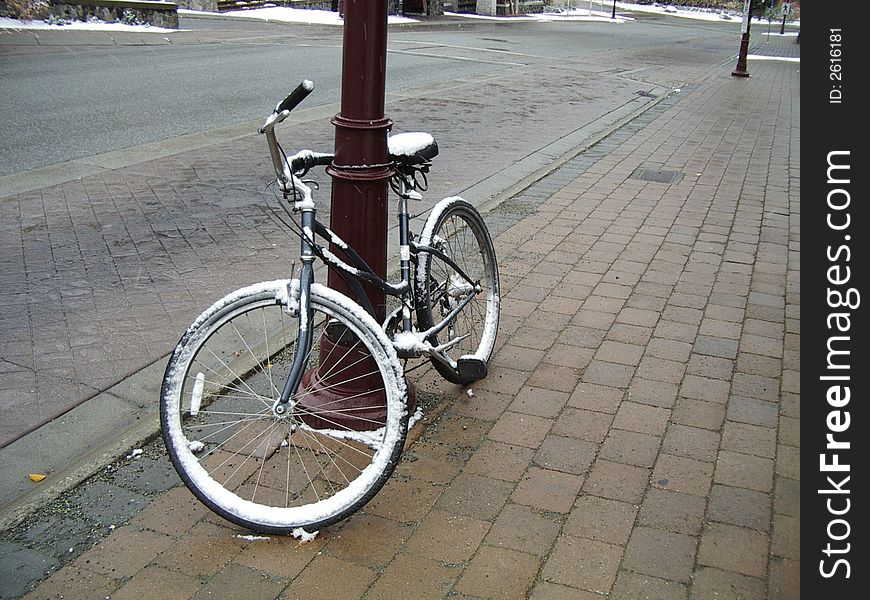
x,y
656,175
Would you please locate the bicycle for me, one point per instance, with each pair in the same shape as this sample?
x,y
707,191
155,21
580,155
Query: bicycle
x,y
284,405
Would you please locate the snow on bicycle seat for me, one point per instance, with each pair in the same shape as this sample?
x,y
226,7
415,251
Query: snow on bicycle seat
x,y
414,148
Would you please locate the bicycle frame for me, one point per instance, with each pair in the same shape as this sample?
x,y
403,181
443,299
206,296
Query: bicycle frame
x,y
407,342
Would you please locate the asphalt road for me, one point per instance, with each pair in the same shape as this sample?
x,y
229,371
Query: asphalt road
x,y
73,99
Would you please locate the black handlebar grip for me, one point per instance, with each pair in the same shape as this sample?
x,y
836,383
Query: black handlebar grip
x,y
303,163
296,96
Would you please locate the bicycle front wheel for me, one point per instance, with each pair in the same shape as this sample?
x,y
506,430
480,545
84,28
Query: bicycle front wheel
x,y
319,461
456,229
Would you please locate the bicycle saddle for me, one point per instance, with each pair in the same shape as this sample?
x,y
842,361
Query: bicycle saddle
x,y
414,148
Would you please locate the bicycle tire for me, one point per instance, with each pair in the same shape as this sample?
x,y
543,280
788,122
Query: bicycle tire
x,y
301,471
456,228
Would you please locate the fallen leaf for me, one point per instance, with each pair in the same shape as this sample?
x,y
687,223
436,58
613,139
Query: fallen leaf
x,y
37,477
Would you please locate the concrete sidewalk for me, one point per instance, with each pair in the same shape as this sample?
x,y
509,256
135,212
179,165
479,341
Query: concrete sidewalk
x,y
637,435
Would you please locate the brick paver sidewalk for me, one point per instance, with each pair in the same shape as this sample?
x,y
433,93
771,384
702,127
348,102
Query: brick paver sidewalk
x,y
638,434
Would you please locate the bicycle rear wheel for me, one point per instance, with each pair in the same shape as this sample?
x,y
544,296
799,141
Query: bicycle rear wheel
x,y
313,465
456,229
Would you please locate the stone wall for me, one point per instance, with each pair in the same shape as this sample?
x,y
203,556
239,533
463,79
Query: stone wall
x,y
159,14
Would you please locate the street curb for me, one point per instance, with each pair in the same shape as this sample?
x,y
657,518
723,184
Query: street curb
x,y
73,433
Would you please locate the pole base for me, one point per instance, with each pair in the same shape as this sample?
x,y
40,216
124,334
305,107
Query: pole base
x,y
736,73
328,407
348,393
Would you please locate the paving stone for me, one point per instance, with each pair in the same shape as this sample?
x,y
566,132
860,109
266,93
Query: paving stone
x,y
637,586
681,474
698,413
786,496
20,567
583,563
324,578
561,489
785,579
717,549
521,429
658,369
788,462
157,582
574,357
630,448
660,553
484,404
500,461
523,529
207,548
785,541
739,506
716,583
710,367
109,504
447,538
584,424
73,581
749,439
752,411
568,455
596,397
124,553
411,576
544,590
601,519
755,386
538,401
280,556
404,500
499,573
641,418
432,462
654,393
743,470
608,373
617,481
619,352
692,442
368,540
173,513
475,496
673,511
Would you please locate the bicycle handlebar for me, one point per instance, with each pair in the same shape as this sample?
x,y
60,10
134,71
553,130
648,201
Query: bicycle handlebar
x,y
304,160
284,107
296,96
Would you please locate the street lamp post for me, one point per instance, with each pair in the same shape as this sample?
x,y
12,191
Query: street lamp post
x,y
786,8
613,14
360,172
740,69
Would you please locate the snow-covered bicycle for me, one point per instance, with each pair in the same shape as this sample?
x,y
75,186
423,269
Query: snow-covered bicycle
x,y
284,405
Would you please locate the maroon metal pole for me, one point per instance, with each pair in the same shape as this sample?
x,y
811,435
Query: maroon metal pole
x,y
740,69
360,174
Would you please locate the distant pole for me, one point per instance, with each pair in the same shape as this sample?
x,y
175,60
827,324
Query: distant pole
x,y
613,15
785,11
740,69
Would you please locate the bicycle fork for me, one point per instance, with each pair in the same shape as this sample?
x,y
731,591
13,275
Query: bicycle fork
x,y
305,337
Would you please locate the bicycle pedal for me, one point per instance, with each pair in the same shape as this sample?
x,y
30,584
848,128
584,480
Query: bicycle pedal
x,y
471,369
